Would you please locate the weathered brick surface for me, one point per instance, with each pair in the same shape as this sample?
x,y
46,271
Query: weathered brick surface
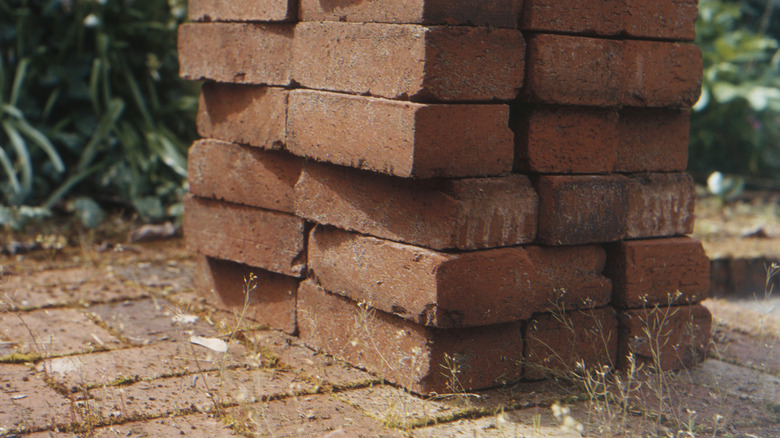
x,y
412,355
400,138
490,13
666,19
244,53
266,239
556,342
664,338
646,273
243,175
660,204
661,74
242,10
246,114
575,210
271,298
465,214
652,140
410,61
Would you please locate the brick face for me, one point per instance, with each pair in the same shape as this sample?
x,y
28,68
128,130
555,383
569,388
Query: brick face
x,y
242,10
470,213
661,74
652,140
400,138
660,204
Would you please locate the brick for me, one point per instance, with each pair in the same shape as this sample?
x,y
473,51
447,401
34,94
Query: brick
x,y
647,273
400,61
400,138
661,74
411,355
266,239
556,342
471,213
666,19
242,10
664,338
660,205
243,53
575,210
491,13
652,140
243,175
271,296
246,114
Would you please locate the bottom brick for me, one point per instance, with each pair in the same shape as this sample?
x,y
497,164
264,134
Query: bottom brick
x,y
421,359
271,296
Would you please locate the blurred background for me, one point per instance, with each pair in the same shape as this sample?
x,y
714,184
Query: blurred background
x,y
94,119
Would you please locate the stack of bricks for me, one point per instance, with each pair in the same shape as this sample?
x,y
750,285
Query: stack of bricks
x,y
453,194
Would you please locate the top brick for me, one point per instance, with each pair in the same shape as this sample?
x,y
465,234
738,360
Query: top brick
x,y
493,13
242,10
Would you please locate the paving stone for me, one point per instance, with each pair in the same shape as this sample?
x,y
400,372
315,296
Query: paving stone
x,y
194,425
736,380
27,403
751,351
156,275
507,424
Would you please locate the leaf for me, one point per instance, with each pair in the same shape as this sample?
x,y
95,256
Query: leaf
x,y
21,72
88,211
9,171
214,344
22,153
38,138
115,109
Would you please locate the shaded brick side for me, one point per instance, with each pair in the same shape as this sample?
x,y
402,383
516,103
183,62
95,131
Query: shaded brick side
x,y
243,53
242,10
660,204
664,338
271,298
652,140
666,19
401,138
471,213
255,115
661,74
410,61
646,273
405,353
253,236
243,175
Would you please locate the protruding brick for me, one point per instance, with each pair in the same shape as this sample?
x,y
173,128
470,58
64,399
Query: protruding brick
x,y
243,53
664,338
400,138
646,273
660,205
666,19
659,74
490,13
244,175
652,140
421,359
470,213
246,114
557,342
575,210
400,61
242,10
253,236
271,297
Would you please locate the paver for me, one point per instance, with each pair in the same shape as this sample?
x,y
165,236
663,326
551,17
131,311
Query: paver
x,y
27,403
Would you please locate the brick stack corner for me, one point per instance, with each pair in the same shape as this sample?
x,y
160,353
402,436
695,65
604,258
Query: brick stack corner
x,y
452,194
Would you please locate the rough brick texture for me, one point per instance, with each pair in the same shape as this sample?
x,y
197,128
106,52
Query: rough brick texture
x,y
646,273
664,338
410,61
242,10
661,74
243,175
465,214
489,13
244,53
652,140
556,342
256,237
400,138
271,298
660,204
409,354
246,114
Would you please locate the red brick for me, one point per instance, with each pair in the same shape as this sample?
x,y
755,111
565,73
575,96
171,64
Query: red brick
x,y
559,139
652,140
666,19
428,287
271,296
662,272
400,138
411,355
467,213
492,13
575,210
244,175
400,61
660,205
255,115
557,342
661,74
244,53
253,236
242,10
664,338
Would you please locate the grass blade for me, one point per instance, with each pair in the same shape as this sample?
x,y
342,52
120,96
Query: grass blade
x,y
39,139
69,183
104,127
21,72
17,141
8,166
